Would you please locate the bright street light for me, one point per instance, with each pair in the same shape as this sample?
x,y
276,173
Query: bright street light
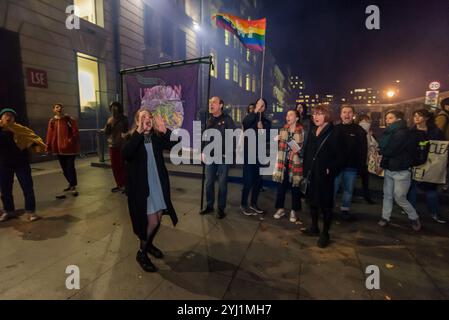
x,y
390,93
196,26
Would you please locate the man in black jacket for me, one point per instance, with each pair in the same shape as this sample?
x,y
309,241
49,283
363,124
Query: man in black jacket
x,y
354,147
217,170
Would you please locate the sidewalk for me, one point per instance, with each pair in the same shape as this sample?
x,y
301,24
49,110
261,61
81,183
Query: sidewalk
x,y
235,258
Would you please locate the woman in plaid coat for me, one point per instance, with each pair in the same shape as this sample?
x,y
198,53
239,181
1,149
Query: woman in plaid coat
x,y
288,170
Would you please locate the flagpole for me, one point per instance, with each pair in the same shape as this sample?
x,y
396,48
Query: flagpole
x,y
262,72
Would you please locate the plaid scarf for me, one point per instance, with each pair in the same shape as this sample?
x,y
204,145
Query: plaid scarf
x,y
294,161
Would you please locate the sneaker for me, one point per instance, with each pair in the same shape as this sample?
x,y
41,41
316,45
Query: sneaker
x,y
207,210
221,213
61,196
247,211
155,252
383,223
4,216
256,209
323,241
33,217
67,189
438,220
279,214
145,262
293,218
416,225
74,192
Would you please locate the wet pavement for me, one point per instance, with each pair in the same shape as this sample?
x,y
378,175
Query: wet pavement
x,y
238,257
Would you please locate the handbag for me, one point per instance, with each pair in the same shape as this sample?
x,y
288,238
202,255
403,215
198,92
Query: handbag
x,y
305,181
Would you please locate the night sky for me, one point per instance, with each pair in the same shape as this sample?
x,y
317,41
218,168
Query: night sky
x,y
326,42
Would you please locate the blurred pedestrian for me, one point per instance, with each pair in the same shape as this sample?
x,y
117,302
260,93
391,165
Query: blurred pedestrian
x,y
354,147
372,144
323,161
397,147
63,140
423,131
115,129
288,170
15,143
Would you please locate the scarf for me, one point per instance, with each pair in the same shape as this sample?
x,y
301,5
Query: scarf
x,y
294,161
389,132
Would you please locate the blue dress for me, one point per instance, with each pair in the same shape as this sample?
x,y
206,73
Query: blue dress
x,y
155,201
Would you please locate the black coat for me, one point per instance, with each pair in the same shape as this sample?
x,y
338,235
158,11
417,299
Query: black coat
x,y
135,156
397,146
10,155
250,123
354,145
320,192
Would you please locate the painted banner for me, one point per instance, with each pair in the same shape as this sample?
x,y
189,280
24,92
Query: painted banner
x,y
434,170
170,92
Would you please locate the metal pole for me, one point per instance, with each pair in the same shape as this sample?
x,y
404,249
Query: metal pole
x,y
203,176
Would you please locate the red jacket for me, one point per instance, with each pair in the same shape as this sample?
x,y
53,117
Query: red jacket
x,y
63,136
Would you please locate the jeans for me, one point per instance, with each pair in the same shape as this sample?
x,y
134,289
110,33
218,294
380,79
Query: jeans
x,y
252,182
282,190
348,175
396,185
431,192
23,174
364,175
213,172
68,168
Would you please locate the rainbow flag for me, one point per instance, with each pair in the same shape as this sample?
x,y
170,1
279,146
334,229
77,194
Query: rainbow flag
x,y
250,32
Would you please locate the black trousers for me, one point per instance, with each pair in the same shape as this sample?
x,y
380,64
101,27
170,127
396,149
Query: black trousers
x,y
68,168
282,190
327,218
252,182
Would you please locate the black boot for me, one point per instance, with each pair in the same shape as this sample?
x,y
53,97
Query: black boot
x,y
323,241
145,262
155,252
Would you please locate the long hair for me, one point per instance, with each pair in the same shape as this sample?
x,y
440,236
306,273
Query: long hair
x,y
430,122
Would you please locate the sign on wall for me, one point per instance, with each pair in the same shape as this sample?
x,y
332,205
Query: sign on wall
x,y
36,78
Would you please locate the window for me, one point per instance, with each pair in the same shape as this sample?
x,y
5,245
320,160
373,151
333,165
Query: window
x,y
235,74
91,10
148,28
236,41
227,36
248,55
88,82
167,36
214,70
227,69
254,83
248,82
241,80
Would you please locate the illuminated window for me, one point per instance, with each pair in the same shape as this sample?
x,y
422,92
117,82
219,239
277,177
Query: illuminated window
x,y
214,70
227,69
235,74
248,82
91,10
88,82
240,80
236,41
227,37
254,83
248,55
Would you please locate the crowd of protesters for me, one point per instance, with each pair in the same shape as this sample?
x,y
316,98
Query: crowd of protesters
x,y
315,158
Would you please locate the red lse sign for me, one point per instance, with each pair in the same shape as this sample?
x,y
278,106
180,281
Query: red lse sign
x,y
37,78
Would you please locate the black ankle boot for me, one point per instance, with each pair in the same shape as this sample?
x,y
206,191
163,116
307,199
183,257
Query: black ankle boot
x,y
323,241
155,252
145,262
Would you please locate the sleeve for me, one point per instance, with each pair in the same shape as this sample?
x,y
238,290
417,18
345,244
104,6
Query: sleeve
x,y
75,130
230,123
397,143
441,121
131,146
249,121
50,133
